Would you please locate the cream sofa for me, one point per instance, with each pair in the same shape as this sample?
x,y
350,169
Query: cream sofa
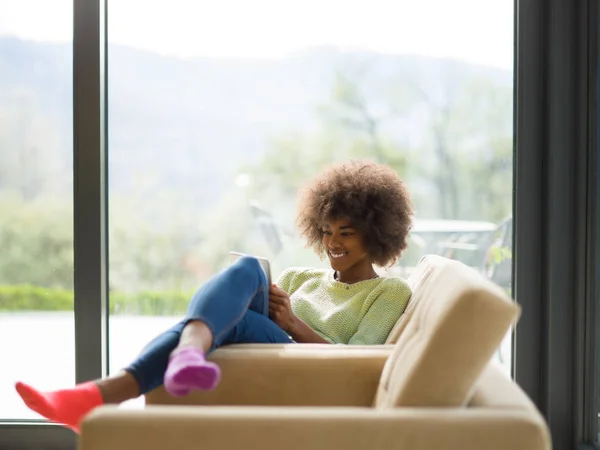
x,y
433,385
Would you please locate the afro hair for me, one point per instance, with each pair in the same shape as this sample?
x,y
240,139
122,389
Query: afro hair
x,y
374,199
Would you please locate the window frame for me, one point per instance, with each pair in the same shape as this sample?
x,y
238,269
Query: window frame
x,y
90,189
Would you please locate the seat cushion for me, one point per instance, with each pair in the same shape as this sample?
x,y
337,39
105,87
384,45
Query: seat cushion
x,y
457,320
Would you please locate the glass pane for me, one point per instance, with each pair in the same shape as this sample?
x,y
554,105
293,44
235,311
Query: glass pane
x,y
36,199
218,119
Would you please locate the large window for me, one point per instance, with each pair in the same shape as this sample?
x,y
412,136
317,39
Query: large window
x,y
36,199
216,121
220,110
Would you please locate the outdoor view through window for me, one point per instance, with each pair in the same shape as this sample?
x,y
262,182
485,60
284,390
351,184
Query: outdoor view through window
x,y
218,112
36,199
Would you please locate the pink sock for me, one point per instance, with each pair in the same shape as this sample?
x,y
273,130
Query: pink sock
x,y
67,406
188,371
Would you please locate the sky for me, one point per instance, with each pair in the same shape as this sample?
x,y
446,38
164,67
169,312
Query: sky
x,y
479,31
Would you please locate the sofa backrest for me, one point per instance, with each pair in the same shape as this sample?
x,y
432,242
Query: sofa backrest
x,y
427,266
452,327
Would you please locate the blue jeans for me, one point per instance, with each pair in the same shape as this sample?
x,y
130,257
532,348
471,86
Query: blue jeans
x,y
234,306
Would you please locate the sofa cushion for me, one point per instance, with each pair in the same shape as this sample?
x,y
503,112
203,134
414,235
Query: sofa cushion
x,y
457,320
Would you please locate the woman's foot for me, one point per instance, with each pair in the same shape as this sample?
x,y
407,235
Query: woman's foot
x,y
188,370
67,406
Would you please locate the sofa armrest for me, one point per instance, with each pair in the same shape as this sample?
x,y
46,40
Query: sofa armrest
x,y
288,376
294,428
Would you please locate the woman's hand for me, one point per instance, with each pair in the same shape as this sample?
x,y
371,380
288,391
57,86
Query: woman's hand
x,y
280,312
280,308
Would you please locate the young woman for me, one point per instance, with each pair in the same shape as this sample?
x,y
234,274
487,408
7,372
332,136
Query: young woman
x,y
357,214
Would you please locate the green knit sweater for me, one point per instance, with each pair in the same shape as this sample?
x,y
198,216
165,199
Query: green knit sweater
x,y
359,313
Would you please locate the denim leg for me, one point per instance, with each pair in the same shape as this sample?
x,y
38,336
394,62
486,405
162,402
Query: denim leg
x,y
222,304
150,366
255,328
225,298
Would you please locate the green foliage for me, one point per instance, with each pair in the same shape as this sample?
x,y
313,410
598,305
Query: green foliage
x,y
35,298
148,303
36,242
36,239
19,298
500,254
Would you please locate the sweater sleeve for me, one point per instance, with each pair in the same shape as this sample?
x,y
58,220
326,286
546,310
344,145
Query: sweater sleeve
x,y
383,314
288,281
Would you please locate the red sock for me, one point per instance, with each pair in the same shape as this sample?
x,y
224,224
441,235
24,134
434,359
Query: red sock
x,y
67,406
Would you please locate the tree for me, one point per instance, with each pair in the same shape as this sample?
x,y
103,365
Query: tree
x,y
36,239
30,151
488,168
452,139
348,127
470,137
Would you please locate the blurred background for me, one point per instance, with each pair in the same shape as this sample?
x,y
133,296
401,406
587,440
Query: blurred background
x,y
218,113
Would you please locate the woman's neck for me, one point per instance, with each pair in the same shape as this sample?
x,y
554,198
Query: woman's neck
x,y
356,274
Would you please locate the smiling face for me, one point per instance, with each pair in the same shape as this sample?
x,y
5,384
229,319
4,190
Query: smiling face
x,y
346,250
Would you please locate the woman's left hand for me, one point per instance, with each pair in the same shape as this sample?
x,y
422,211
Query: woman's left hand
x,y
280,308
